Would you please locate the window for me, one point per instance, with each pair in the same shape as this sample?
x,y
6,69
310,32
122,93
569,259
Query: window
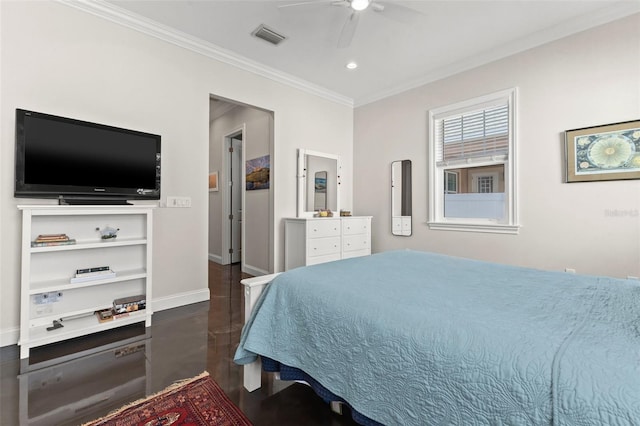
x,y
485,184
450,182
472,176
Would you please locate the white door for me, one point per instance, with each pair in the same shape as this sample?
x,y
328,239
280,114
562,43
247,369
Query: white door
x,y
235,207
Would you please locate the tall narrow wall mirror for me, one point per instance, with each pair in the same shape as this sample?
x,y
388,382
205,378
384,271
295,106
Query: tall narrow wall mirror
x,y
318,183
401,197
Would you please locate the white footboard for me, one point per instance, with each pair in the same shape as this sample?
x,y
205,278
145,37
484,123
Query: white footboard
x,y
253,288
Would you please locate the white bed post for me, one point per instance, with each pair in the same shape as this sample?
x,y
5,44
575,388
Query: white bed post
x,y
253,288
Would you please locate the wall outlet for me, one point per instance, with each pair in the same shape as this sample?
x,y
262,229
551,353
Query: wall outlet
x,y
179,202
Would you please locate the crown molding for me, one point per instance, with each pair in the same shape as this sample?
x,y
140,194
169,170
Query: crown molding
x,y
548,35
146,26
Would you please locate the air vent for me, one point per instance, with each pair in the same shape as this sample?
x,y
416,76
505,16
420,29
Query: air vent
x,y
267,34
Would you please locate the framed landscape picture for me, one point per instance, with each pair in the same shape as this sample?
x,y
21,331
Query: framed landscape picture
x,y
257,173
607,152
213,182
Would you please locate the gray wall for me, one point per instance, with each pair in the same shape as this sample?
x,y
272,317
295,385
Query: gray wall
x,y
588,79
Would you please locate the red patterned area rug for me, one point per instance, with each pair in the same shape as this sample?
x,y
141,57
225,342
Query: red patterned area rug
x,y
193,402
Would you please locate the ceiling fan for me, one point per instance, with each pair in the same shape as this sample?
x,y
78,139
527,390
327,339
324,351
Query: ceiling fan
x,y
393,11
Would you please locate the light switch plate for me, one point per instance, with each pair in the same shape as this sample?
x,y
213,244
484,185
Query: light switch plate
x,y
179,202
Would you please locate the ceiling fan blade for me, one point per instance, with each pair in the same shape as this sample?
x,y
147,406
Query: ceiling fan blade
x,y
305,3
348,30
396,11
376,7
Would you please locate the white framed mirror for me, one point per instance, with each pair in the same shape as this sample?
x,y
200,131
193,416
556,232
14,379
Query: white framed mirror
x,y
318,183
401,198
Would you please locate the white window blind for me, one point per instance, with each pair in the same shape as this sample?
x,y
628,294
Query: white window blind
x,y
481,133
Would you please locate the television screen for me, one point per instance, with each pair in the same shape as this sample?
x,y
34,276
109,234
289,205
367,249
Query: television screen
x,y
63,157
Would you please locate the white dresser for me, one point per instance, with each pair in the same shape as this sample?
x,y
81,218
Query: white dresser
x,y
309,241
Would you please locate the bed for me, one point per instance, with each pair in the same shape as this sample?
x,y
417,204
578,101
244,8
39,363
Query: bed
x,y
415,338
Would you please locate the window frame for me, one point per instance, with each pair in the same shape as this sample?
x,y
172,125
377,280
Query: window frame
x,y
436,219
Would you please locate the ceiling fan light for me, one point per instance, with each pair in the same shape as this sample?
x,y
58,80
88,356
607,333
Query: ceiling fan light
x,y
352,65
360,4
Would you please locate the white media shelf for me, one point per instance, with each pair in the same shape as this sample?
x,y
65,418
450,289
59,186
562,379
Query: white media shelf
x,y
47,295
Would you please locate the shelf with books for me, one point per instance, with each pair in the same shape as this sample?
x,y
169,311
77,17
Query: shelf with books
x,y
79,327
70,303
55,286
89,244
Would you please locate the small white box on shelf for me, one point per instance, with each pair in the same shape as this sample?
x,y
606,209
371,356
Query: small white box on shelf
x,y
93,276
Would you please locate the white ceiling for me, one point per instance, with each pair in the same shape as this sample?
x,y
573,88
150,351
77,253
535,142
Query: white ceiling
x,y
395,50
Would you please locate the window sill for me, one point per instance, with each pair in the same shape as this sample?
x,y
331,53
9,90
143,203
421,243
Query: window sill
x,y
475,227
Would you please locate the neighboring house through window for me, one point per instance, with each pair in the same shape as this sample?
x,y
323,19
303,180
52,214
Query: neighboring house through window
x,y
472,176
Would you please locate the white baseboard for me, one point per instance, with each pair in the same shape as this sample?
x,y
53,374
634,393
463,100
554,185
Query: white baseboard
x,y
256,272
180,299
247,268
10,336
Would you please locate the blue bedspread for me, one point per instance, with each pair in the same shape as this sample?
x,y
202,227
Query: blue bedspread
x,y
413,338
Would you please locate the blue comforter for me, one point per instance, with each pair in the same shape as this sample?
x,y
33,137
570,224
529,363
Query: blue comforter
x,y
413,338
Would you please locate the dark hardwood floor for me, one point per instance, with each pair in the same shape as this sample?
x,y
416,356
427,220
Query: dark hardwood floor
x,y
183,342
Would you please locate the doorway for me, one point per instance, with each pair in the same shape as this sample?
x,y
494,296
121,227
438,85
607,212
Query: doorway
x,y
241,228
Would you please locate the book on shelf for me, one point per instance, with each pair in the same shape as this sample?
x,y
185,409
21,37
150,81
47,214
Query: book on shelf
x,y
93,277
70,241
90,272
43,238
51,236
104,315
129,304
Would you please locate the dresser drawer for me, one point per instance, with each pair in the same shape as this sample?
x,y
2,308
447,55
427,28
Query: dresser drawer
x,y
323,228
309,241
355,226
323,246
356,242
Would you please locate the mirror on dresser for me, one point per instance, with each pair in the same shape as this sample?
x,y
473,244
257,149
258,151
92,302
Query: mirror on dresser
x,y
318,183
401,198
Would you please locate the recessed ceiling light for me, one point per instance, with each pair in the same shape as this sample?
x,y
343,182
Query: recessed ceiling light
x,y
352,65
359,4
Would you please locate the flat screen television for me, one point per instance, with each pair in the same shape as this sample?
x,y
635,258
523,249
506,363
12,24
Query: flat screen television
x,y
80,162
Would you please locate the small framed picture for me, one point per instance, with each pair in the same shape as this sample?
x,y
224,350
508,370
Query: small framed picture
x,y
213,182
607,152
